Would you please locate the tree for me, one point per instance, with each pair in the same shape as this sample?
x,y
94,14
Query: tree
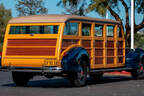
x,y
101,6
73,7
114,6
5,15
30,7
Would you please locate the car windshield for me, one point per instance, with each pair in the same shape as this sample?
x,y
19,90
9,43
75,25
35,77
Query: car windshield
x,y
49,29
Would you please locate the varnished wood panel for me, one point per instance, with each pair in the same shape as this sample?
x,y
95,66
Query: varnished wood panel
x,y
99,43
30,51
99,52
68,42
86,43
98,60
110,52
32,42
110,44
110,60
120,59
120,44
120,51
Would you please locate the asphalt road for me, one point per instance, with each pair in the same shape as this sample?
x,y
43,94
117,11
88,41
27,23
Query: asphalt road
x,y
41,86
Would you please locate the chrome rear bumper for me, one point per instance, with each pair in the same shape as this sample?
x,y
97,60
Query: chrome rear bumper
x,y
33,69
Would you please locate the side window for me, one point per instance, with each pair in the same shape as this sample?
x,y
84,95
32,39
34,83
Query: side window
x,y
86,29
49,29
119,33
18,30
34,29
71,29
110,31
99,30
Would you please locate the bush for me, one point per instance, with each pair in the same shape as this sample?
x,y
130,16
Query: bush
x,y
139,41
0,48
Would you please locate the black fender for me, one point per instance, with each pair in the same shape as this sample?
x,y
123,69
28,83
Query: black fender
x,y
134,58
69,61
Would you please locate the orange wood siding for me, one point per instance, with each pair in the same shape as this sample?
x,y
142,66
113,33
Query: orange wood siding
x,y
120,59
98,60
32,42
99,52
86,43
68,42
110,60
30,47
110,44
110,52
99,43
30,51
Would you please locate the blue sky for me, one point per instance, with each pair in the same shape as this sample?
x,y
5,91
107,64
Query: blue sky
x,y
53,9
50,4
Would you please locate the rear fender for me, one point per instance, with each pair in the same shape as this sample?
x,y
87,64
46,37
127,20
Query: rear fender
x,y
69,61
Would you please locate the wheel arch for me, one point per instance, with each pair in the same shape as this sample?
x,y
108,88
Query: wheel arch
x,y
70,59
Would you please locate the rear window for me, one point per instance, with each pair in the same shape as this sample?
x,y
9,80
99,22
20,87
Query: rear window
x,y
50,29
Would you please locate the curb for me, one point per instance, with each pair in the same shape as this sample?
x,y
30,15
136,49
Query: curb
x,y
120,73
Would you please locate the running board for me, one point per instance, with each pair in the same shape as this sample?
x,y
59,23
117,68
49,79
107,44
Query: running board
x,y
110,70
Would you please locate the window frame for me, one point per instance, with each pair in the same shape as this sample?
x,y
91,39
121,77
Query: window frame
x,y
91,30
34,24
114,26
102,30
78,31
119,26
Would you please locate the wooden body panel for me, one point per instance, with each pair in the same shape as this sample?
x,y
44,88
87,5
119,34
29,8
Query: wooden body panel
x,y
29,47
104,51
32,42
26,50
30,52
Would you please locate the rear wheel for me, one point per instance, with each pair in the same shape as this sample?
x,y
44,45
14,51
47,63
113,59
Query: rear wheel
x,y
21,78
139,72
79,78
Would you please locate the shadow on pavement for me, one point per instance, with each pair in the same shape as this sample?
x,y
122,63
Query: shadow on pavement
x,y
64,83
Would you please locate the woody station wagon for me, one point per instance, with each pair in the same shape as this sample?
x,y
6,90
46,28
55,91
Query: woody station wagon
x,y
68,46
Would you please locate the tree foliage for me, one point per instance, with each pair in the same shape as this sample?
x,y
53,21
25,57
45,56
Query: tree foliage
x,y
5,15
139,41
74,7
30,7
114,7
140,6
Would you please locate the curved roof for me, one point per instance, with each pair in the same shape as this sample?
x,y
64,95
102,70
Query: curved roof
x,y
55,19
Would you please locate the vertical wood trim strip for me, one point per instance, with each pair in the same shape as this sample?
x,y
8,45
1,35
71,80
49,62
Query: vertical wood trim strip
x,y
92,46
104,45
80,33
115,46
59,43
5,42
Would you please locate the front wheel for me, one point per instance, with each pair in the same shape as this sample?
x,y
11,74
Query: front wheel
x,y
139,72
79,78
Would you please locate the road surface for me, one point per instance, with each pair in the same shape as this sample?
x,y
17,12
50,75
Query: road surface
x,y
41,86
